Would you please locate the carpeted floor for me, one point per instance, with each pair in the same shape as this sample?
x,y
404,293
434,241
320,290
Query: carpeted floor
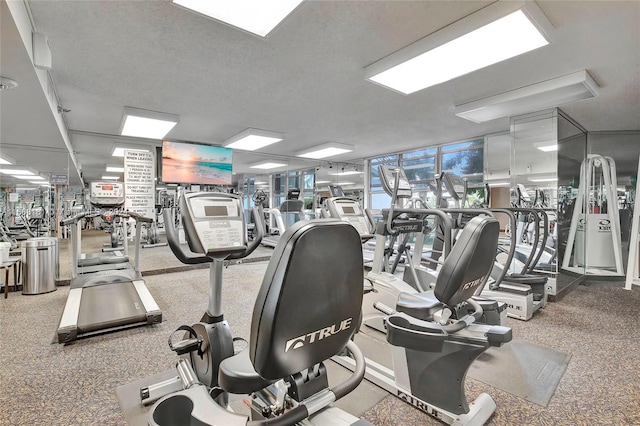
x,y
44,383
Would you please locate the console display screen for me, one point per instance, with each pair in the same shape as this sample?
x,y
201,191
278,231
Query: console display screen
x,y
215,211
348,210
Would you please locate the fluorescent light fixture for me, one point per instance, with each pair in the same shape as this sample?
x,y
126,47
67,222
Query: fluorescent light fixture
x,y
112,169
28,177
344,183
494,184
39,182
25,177
350,172
536,97
252,139
550,179
548,148
142,123
5,159
16,172
109,178
260,182
320,182
119,151
255,16
493,34
266,165
325,150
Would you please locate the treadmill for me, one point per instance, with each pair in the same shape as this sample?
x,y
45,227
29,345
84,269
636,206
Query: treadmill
x,y
104,196
106,300
293,205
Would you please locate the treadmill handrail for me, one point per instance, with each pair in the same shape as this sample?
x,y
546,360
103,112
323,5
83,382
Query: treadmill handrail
x,y
136,216
73,219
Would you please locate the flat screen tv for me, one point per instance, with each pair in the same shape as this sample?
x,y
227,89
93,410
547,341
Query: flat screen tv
x,y
196,163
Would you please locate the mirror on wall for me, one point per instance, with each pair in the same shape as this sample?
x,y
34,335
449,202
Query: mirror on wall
x,y
572,151
533,184
542,170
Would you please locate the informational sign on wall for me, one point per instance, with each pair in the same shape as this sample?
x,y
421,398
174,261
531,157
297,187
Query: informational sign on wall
x,y
59,179
139,184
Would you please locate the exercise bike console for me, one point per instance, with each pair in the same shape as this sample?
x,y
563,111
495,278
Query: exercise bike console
x,y
214,225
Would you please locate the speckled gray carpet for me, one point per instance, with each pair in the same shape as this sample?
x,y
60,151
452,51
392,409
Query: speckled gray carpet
x,y
50,384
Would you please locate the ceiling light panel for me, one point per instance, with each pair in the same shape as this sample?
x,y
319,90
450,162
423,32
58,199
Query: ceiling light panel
x,y
142,123
548,148
266,165
493,34
550,179
27,177
344,173
253,139
5,159
112,169
259,17
325,150
109,178
16,172
119,151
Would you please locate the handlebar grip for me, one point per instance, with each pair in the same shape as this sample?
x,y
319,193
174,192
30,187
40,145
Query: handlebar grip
x,y
73,219
184,255
258,219
136,216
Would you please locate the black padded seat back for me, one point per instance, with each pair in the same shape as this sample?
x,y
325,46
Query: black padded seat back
x,y
310,299
469,261
292,206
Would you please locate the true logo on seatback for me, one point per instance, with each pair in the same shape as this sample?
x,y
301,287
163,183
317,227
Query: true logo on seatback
x,y
472,284
317,335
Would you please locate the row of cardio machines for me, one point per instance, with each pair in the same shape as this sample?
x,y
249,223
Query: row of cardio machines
x,y
301,319
525,266
520,293
107,292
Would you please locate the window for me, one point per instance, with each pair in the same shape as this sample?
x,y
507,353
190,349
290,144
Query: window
x,y
465,159
420,167
374,177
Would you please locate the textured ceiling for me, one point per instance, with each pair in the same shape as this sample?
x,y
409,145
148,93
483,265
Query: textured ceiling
x,y
306,79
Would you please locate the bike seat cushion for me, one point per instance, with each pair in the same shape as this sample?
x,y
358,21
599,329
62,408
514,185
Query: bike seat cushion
x,y
237,375
310,300
469,261
418,305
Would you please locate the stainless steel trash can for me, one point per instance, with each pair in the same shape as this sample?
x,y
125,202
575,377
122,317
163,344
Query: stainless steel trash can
x,y
39,259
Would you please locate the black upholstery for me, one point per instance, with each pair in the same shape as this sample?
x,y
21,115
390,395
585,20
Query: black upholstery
x,y
310,299
418,305
469,261
237,375
292,206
